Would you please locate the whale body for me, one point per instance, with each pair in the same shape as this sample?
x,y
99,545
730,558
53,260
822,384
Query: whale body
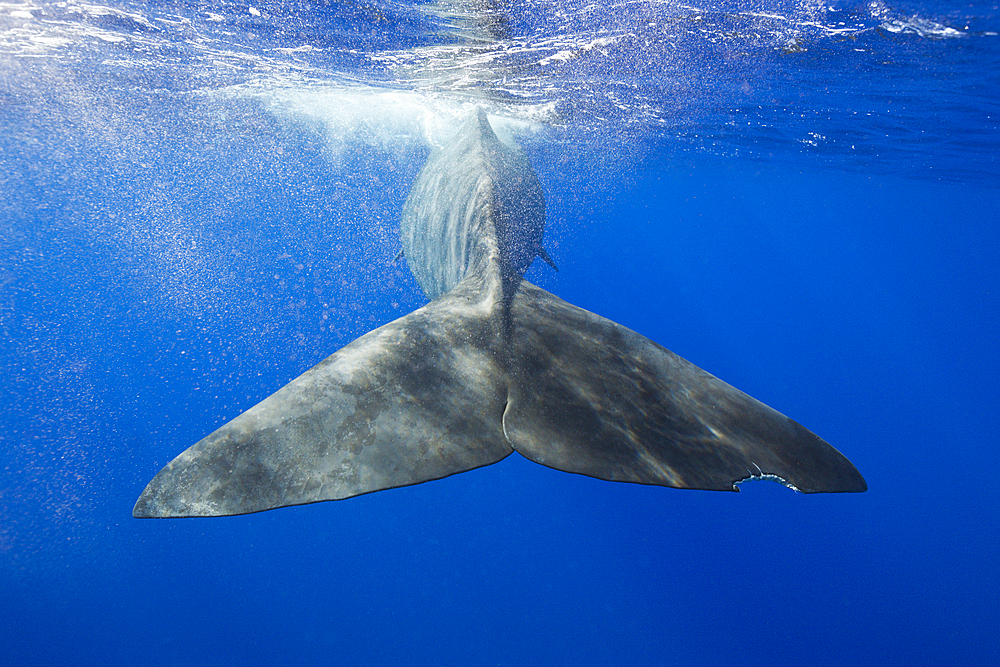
x,y
492,365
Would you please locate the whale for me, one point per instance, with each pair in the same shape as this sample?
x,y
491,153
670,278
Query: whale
x,y
492,365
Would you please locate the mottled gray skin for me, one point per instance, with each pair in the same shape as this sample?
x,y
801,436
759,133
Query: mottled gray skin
x,y
475,202
492,365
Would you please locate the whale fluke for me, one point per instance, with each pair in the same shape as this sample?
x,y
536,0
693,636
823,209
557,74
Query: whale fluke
x,y
593,397
417,399
490,366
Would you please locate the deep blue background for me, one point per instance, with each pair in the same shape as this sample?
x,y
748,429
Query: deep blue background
x,y
157,282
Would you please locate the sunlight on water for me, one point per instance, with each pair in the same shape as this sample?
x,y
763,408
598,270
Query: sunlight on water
x,y
555,61
707,76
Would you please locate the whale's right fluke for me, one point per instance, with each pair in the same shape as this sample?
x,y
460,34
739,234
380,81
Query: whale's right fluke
x,y
592,397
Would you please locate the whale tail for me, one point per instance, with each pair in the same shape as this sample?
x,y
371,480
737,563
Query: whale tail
x,y
490,366
438,392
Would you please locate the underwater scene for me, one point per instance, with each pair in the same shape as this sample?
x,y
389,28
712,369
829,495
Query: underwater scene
x,y
495,213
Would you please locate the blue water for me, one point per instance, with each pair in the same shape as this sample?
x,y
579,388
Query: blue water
x,y
198,204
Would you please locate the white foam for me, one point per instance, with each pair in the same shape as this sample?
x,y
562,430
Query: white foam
x,y
921,27
389,118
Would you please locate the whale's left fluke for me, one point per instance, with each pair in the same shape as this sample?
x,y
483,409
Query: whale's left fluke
x,y
418,399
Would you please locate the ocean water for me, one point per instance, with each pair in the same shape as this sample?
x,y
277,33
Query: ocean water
x,y
199,201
